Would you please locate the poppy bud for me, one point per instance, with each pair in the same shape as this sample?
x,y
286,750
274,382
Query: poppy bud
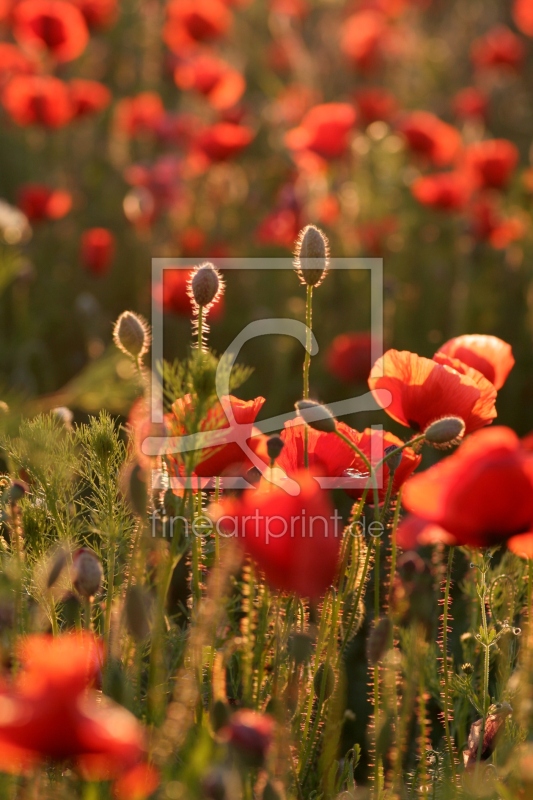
x,y
97,250
393,455
250,734
64,415
445,432
329,681
205,285
311,255
316,416
378,641
300,646
467,668
131,334
275,445
16,491
88,573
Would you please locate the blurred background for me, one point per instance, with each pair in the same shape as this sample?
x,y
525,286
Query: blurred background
x,y
218,129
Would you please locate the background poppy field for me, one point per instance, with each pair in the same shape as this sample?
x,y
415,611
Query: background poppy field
x,y
220,129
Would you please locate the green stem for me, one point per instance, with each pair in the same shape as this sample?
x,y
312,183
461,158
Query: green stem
x,y
200,328
307,363
447,731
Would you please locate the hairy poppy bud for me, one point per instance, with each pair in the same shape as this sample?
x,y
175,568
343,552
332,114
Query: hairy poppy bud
x,y
378,641
393,455
250,734
87,572
206,284
316,416
275,445
131,334
311,255
445,432
329,681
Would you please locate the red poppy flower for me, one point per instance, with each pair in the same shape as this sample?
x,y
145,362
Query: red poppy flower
x,y
13,62
54,26
492,162
488,224
137,783
446,191
375,104
349,357
424,391
290,8
364,39
53,715
482,494
293,538
37,100
414,532
97,250
40,202
250,733
98,14
227,453
220,83
470,103
523,16
140,114
500,48
487,354
173,295
279,228
189,22
324,130
224,140
429,136
88,97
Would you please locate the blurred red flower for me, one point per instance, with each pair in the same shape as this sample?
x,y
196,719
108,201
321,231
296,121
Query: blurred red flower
x,y
324,130
54,26
429,136
424,391
482,494
189,22
487,354
37,100
98,14
364,39
499,48
489,225
224,140
97,250
137,783
279,228
470,103
523,16
349,357
446,191
375,103
172,295
373,235
88,97
492,162
223,457
39,202
13,62
250,733
204,72
294,539
140,114
54,715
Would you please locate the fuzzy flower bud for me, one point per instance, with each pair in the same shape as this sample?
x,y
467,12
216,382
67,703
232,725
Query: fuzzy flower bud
x,y
250,734
87,572
274,445
131,334
206,285
311,257
316,416
445,432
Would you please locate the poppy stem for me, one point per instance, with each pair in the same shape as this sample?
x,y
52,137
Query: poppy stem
x,y
370,468
445,664
200,322
307,362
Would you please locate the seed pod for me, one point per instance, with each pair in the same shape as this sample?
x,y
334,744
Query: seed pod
x,y
87,572
275,445
445,432
329,681
205,285
131,334
316,416
311,256
378,641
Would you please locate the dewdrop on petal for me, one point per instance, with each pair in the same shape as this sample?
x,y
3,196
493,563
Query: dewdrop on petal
x,y
311,257
205,285
445,432
316,416
131,334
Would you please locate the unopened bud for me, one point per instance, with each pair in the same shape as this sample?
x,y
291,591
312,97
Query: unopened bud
x,y
324,681
250,734
445,432
393,456
63,415
88,573
205,285
275,445
316,416
379,640
131,334
311,255
467,668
